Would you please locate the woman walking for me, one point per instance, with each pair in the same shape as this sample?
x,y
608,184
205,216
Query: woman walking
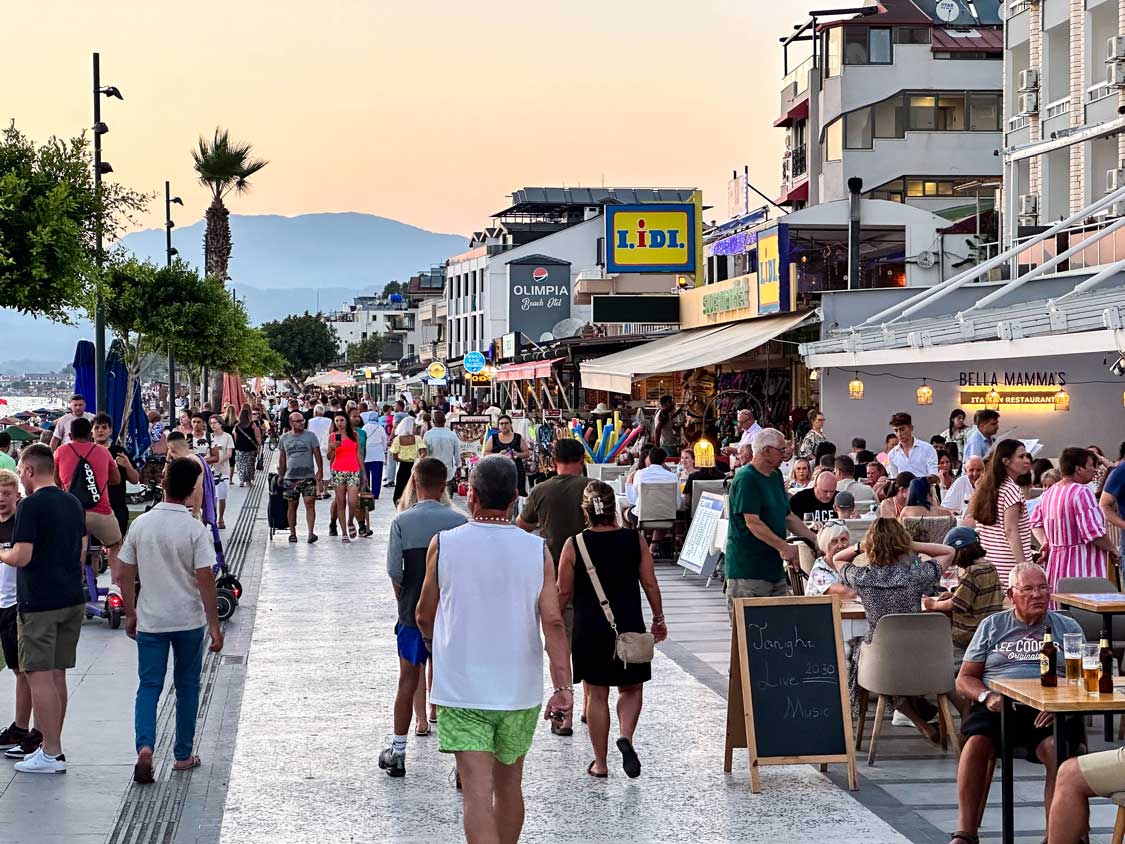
x,y
406,448
1069,524
343,457
506,441
998,509
247,444
622,565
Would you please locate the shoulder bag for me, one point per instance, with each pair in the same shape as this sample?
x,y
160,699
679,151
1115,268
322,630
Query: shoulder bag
x,y
627,647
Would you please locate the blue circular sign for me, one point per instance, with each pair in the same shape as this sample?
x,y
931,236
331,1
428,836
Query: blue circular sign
x,y
474,362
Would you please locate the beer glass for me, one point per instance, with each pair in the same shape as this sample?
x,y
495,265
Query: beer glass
x,y
1091,667
1072,653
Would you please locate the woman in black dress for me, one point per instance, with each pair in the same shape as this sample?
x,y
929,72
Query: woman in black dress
x,y
623,564
508,442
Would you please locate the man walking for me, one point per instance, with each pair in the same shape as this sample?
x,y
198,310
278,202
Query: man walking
x,y
484,614
911,455
78,410
301,469
173,554
48,546
410,536
19,730
320,425
442,444
397,416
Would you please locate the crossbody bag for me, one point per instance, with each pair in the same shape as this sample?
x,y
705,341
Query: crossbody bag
x,y
627,647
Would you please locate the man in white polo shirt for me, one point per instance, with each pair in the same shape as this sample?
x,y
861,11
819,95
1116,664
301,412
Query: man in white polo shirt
x,y
911,455
78,410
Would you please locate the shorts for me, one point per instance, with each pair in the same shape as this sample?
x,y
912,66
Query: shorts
x,y
9,637
48,640
222,488
504,733
1104,772
300,488
1022,731
411,647
346,478
748,587
103,527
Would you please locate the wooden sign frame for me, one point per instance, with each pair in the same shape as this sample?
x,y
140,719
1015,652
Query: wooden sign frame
x,y
740,705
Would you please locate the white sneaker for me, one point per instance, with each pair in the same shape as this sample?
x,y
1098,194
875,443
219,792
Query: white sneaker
x,y
900,720
38,763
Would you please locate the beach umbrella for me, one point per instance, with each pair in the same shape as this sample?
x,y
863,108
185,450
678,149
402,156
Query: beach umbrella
x,y
40,411
20,434
84,380
116,379
23,414
137,438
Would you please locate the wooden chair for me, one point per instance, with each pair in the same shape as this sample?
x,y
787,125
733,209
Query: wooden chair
x,y
1119,824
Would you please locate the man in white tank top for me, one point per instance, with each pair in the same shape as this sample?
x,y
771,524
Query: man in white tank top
x,y
489,588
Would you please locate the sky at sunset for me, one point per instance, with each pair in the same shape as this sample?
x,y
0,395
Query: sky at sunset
x,y
428,111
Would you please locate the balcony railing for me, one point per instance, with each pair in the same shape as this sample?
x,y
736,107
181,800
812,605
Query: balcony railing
x,y
1017,6
623,329
1058,107
1020,121
1099,92
794,165
798,76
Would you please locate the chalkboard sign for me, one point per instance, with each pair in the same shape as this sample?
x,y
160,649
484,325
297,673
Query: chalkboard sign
x,y
788,697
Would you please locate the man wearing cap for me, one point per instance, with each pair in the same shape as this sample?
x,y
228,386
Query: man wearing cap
x,y
844,505
978,594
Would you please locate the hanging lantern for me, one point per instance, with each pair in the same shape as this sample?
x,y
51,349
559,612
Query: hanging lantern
x,y
1062,401
925,394
704,453
855,388
992,399
814,374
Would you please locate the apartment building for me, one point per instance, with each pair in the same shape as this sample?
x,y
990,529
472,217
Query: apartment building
x,y
903,94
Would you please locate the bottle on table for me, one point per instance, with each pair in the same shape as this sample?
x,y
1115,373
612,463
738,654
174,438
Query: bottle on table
x,y
1105,657
1048,660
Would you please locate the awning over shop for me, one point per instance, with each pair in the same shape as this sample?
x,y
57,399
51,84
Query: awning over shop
x,y
798,194
525,371
800,111
685,350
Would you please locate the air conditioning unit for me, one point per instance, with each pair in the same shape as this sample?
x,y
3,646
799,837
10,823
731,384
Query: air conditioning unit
x,y
1029,204
1115,49
1115,75
1029,103
591,211
1028,221
1029,79
1114,179
1117,210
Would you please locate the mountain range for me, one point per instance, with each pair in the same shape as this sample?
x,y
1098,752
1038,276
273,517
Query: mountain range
x,y
279,266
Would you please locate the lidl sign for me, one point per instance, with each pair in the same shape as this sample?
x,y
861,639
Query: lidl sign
x,y
650,238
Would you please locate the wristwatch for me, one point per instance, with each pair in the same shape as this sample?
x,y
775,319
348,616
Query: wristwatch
x,y
983,696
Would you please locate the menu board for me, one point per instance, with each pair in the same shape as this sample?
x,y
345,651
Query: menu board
x,y
696,550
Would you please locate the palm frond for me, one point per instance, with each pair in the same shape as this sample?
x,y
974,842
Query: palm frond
x,y
224,165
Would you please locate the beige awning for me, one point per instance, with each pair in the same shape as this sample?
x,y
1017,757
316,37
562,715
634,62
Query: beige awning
x,y
685,350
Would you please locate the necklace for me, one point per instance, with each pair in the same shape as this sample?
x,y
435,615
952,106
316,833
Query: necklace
x,y
499,520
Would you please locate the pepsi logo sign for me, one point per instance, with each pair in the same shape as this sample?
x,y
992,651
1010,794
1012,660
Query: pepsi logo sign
x,y
539,274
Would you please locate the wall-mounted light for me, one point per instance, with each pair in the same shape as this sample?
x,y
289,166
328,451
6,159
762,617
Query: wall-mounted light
x,y
992,399
925,394
814,374
855,388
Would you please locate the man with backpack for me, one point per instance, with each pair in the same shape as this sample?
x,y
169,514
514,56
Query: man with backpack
x,y
86,470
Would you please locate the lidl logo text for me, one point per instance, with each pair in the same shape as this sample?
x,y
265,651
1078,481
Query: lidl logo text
x,y
644,238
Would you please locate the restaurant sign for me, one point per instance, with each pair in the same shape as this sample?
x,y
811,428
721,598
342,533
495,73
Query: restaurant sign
x,y
1035,378
734,297
650,238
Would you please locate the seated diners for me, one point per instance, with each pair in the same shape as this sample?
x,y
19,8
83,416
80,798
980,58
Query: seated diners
x,y
800,476
824,578
894,581
845,506
920,502
815,504
958,495
1006,646
894,502
978,594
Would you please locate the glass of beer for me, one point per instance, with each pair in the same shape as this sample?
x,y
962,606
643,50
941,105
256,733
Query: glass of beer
x,y
1072,653
1091,668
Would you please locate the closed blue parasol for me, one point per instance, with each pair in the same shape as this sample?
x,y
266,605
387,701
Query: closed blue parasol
x,y
84,371
116,379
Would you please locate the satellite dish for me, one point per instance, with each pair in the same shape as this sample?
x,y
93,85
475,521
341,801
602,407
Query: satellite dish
x,y
546,337
926,259
568,327
948,10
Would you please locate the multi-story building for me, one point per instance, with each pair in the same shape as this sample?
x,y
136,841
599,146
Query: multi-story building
x,y
895,95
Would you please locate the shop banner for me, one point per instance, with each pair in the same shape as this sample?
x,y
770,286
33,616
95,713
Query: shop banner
x,y
651,238
539,296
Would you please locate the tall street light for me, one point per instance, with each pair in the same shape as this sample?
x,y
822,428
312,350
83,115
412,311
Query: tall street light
x,y
169,251
100,168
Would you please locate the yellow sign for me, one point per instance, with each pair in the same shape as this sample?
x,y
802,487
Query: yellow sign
x,y
654,238
436,370
769,277
1009,396
482,377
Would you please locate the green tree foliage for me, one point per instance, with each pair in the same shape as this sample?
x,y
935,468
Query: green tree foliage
x,y
369,350
47,222
306,342
392,287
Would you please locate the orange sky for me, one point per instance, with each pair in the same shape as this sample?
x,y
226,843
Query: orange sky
x,y
428,111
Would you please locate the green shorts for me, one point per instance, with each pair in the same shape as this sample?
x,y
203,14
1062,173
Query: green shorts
x,y
504,733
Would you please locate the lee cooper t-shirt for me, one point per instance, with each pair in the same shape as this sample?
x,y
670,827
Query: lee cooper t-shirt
x,y
299,461
54,522
808,507
1009,648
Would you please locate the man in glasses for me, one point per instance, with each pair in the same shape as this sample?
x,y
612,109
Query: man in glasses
x,y
760,520
1006,645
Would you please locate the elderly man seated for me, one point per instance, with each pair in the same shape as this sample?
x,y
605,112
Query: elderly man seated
x,y
1006,646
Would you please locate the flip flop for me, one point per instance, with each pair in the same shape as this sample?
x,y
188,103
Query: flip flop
x,y
192,762
590,771
561,731
422,733
352,531
630,762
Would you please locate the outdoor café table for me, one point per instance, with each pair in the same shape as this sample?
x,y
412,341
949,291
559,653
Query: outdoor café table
x,y
1107,605
1063,700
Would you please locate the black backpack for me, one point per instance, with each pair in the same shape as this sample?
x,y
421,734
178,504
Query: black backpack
x,y
83,483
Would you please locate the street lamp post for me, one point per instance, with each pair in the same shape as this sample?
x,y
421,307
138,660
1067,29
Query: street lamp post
x,y
169,251
100,168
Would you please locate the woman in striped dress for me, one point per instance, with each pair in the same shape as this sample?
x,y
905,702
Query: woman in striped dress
x,y
1070,525
998,510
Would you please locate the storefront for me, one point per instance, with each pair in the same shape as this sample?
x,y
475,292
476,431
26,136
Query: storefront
x,y
530,386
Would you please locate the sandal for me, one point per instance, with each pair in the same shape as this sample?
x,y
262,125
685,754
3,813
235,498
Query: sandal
x,y
590,771
561,731
352,531
142,773
963,836
423,732
186,764
630,762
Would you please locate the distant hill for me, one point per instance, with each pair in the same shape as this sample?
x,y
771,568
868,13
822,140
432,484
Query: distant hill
x,y
280,265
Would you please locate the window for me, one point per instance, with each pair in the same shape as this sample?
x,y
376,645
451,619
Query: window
x,y
890,118
984,112
833,51
834,140
921,115
974,55
858,129
880,40
912,35
951,113
867,45
915,187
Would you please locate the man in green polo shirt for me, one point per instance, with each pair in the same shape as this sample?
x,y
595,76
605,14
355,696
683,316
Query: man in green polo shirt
x,y
759,521
6,459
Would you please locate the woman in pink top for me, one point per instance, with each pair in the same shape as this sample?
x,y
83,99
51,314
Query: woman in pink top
x,y
347,471
998,508
1070,525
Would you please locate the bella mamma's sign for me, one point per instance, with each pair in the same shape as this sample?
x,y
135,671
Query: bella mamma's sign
x,y
1010,389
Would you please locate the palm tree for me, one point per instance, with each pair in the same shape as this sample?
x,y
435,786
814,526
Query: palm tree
x,y
223,165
